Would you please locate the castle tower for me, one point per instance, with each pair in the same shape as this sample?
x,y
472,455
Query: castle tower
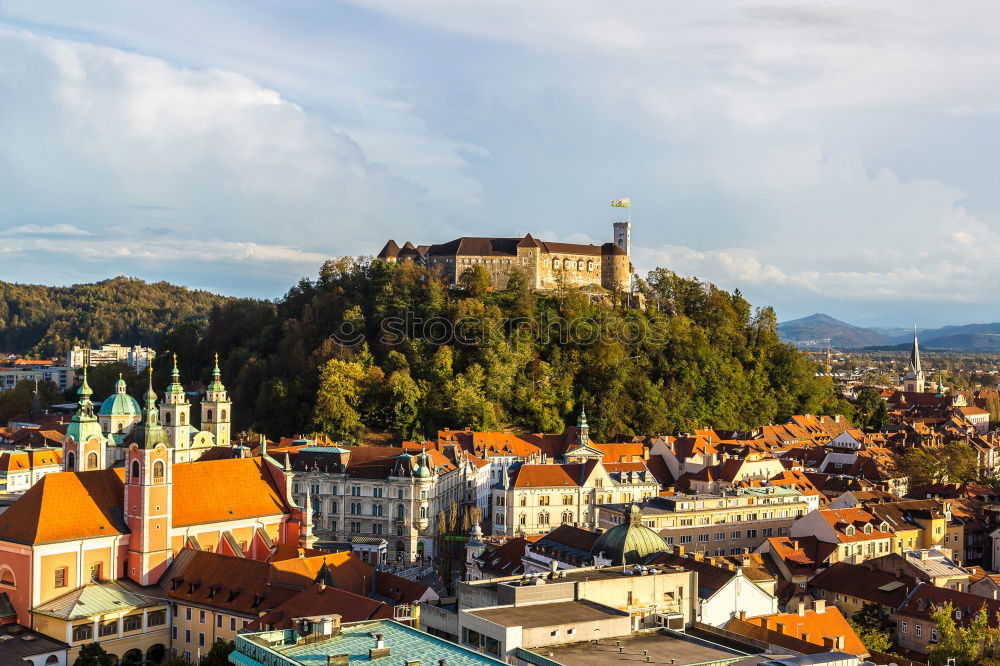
x,y
623,235
216,409
84,448
148,496
175,412
914,380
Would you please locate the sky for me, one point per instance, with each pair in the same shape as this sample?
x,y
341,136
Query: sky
x,y
837,158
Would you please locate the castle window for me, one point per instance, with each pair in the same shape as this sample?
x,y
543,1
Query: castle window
x,y
135,470
566,264
158,471
183,419
555,263
166,419
70,461
590,266
579,264
121,427
91,460
222,415
208,417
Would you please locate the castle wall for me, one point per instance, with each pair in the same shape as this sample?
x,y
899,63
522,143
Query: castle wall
x,y
568,270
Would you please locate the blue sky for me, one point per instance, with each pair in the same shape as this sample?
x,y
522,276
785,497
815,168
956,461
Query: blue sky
x,y
819,158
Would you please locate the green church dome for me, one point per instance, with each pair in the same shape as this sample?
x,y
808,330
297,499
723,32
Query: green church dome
x,y
629,543
120,404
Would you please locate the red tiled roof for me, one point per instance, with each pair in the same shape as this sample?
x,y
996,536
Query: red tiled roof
x,y
77,505
546,476
321,600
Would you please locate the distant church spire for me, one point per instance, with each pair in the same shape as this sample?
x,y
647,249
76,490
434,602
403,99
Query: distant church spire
x,y
914,380
582,429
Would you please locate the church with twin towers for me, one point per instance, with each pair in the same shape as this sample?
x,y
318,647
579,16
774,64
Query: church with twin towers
x,y
99,438
546,265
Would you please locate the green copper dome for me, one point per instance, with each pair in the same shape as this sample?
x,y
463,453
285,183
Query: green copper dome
x,y
629,543
423,469
120,404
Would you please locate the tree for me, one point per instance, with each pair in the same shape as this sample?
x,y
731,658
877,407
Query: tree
x,y
920,466
336,411
964,644
874,627
476,280
218,655
93,655
961,462
18,399
872,411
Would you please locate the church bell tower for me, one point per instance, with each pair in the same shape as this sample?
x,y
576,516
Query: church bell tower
x,y
148,496
216,409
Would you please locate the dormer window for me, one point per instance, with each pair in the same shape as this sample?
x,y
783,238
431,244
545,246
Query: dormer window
x,y
868,528
849,531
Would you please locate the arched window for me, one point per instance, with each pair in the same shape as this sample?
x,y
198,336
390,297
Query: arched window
x,y
543,518
423,513
522,519
209,416
222,415
567,517
70,461
121,427
158,471
7,577
91,461
183,418
135,470
52,659
524,500
377,510
399,512
166,419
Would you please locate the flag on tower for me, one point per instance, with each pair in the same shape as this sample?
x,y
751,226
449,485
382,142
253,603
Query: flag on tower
x,y
622,203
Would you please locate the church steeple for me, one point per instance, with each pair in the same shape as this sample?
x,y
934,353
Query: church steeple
x,y
582,429
84,445
216,408
175,412
148,495
149,433
914,380
915,355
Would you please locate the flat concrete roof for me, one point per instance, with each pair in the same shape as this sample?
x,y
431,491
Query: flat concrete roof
x,y
663,647
546,615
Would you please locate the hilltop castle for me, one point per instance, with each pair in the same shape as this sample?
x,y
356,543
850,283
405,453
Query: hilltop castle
x,y
546,265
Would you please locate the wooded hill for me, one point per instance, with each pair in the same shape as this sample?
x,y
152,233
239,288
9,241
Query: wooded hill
x,y
36,320
353,351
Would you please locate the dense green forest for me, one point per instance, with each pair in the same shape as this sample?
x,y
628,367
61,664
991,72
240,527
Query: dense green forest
x,y
43,321
371,346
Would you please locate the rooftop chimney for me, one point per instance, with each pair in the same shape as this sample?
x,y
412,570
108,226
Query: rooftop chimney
x,y
819,605
802,609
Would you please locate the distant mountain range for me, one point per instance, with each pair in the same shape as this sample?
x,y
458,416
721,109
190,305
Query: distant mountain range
x,y
821,330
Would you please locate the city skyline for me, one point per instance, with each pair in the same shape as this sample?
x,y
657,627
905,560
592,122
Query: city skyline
x,y
820,159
